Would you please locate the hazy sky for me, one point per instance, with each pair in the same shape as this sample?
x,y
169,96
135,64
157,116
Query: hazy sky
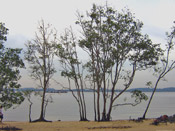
x,y
22,16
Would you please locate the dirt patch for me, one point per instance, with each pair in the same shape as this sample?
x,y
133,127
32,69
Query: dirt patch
x,y
113,127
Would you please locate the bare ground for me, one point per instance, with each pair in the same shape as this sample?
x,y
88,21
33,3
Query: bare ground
x,y
119,125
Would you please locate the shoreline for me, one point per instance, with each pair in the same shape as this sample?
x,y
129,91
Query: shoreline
x,y
123,125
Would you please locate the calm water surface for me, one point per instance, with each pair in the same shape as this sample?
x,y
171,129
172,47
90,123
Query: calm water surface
x,y
65,108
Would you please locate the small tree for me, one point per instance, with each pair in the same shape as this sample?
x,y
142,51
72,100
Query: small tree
x,y
72,69
10,63
40,54
28,94
47,101
164,67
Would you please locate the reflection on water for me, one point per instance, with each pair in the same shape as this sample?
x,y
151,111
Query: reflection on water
x,y
65,108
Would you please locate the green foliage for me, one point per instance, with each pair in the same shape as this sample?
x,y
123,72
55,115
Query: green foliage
x,y
165,65
114,38
72,69
10,62
11,98
3,32
139,96
67,52
40,56
117,50
40,53
149,84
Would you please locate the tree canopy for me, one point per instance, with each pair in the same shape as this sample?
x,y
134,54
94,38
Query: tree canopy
x,y
40,55
10,63
117,49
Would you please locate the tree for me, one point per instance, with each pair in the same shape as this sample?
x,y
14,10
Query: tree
x,y
164,67
72,69
117,50
28,94
40,54
10,63
47,101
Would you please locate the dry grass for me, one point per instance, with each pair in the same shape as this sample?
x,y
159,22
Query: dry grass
x,y
120,125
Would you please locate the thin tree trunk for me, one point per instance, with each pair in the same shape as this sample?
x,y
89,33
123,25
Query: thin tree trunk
x,y
30,110
104,100
113,90
155,87
95,112
110,109
98,103
164,72
42,107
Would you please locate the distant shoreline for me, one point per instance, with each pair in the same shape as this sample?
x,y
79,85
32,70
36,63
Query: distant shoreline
x,y
52,90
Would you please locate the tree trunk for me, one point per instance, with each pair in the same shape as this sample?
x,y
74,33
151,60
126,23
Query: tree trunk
x,y
155,87
95,112
44,81
30,110
98,104
104,100
42,107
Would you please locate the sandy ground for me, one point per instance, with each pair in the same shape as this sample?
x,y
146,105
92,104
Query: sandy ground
x,y
121,125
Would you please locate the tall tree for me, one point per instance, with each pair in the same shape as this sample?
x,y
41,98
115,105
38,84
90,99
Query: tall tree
x,y
117,50
40,55
72,69
10,63
164,67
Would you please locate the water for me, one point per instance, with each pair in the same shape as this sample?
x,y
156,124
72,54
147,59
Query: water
x,y
65,108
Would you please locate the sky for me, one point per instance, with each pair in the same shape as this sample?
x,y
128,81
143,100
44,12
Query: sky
x,y
21,17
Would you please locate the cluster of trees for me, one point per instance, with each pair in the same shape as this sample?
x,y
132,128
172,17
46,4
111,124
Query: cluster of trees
x,y
116,50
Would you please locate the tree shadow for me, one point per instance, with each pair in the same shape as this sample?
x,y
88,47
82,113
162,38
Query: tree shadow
x,y
10,128
41,120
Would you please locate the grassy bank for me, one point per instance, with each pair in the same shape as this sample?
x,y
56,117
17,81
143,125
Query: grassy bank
x,y
120,125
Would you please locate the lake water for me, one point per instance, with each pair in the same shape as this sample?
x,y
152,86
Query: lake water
x,y
65,108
